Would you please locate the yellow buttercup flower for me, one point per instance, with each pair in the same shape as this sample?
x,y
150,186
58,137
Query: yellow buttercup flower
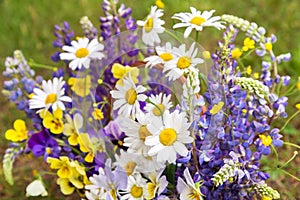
x,y
19,133
248,44
97,114
119,72
249,70
206,55
80,86
266,140
298,86
53,121
236,53
266,198
62,164
256,75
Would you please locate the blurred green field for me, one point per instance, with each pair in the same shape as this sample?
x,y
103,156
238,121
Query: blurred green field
x,y
28,25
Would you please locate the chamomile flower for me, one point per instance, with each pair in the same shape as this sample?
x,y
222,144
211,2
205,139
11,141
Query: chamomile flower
x,y
169,136
136,132
164,54
152,26
197,20
128,161
159,104
51,95
127,98
136,188
81,52
185,61
188,189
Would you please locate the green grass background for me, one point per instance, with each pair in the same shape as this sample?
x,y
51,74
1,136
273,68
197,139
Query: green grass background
x,y
28,25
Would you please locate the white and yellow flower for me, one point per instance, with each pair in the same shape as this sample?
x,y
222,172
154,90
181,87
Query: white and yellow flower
x,y
170,133
136,188
152,26
197,20
128,161
81,52
188,189
159,104
136,132
51,95
127,98
164,54
185,61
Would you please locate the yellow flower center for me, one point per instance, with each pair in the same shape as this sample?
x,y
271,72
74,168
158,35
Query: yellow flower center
x,y
167,136
131,96
129,167
195,195
268,46
183,62
51,98
136,191
197,20
113,194
48,150
82,52
158,110
266,140
144,132
166,56
149,25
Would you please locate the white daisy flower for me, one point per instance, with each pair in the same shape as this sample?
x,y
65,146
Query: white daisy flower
x,y
164,54
188,189
51,95
169,136
184,62
81,52
136,132
159,104
127,98
152,26
197,20
136,188
128,161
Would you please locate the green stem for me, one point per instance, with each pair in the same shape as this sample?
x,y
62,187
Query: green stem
x,y
290,160
32,64
173,35
291,144
275,151
289,174
288,121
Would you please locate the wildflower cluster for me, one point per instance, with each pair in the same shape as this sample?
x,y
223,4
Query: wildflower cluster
x,y
144,113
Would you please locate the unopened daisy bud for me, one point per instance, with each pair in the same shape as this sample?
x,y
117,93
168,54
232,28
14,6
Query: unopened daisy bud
x,y
266,191
252,86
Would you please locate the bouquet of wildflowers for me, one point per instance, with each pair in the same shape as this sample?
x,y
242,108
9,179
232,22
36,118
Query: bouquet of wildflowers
x,y
139,111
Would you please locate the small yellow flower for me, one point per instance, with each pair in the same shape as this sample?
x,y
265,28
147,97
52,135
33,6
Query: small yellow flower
x,y
53,121
256,75
19,133
249,70
298,86
248,44
298,106
236,53
97,114
72,127
160,4
216,108
268,46
206,55
119,72
266,140
80,86
266,198
62,164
